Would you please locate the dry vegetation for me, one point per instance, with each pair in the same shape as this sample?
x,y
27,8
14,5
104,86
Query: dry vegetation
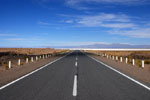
x,y
133,54
13,54
28,51
137,55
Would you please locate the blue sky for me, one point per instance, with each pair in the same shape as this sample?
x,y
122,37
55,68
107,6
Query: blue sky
x,y
47,23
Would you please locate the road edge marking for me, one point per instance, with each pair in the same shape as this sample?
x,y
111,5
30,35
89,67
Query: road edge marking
x,y
128,77
30,73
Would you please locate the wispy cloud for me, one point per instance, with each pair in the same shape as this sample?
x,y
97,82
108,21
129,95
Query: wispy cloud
x,y
105,20
75,2
120,24
6,34
27,40
69,21
43,23
137,33
78,43
84,4
15,39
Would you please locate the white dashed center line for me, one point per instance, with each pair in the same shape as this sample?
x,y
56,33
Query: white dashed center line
x,y
76,64
75,86
76,58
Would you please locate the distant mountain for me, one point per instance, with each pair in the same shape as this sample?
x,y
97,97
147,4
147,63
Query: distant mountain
x,y
114,45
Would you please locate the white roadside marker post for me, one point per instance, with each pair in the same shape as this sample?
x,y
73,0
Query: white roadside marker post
x,y
19,62
36,58
142,63
133,62
126,60
27,60
117,58
110,56
9,65
31,59
120,59
113,57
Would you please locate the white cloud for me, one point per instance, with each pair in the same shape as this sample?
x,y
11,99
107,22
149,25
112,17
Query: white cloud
x,y
76,2
43,23
69,21
119,25
6,34
137,33
15,39
23,39
73,2
91,43
106,20
78,43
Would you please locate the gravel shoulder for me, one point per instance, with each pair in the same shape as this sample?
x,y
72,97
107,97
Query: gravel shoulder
x,y
7,76
141,74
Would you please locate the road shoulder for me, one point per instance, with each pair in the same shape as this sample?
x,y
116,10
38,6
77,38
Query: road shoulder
x,y
16,72
133,71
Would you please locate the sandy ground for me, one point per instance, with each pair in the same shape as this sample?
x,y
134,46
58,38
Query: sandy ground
x,y
141,74
7,76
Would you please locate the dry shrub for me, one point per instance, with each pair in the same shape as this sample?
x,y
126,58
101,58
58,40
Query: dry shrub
x,y
5,64
139,55
22,63
139,62
134,54
29,51
147,62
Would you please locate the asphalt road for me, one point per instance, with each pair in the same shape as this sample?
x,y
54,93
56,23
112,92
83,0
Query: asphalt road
x,y
57,82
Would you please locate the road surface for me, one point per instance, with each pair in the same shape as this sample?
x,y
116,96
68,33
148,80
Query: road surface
x,y
75,77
